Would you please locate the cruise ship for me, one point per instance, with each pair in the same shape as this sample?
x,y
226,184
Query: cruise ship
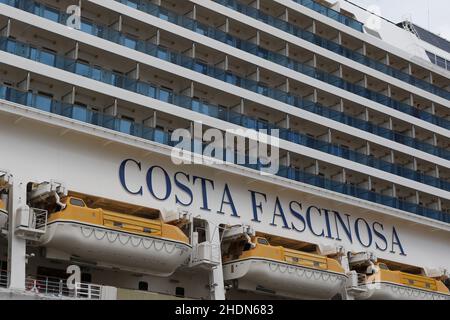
x,y
116,181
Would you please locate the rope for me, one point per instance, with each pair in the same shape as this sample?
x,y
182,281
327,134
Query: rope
x,y
304,273
135,241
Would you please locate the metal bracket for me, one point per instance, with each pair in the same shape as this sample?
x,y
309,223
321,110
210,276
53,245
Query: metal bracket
x,y
6,179
44,190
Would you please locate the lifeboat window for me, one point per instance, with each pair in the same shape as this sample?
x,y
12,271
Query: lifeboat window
x,y
263,241
143,286
77,202
147,230
383,266
295,259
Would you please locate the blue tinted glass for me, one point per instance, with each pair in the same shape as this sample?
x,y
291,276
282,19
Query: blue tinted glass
x,y
51,14
87,27
165,95
130,42
47,58
440,62
43,103
79,113
82,69
133,4
125,126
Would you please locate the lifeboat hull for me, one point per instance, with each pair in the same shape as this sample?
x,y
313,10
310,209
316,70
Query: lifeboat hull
x,y
392,291
3,219
114,249
279,279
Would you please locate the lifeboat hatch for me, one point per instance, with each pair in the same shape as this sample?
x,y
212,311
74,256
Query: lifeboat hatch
x,y
117,206
290,243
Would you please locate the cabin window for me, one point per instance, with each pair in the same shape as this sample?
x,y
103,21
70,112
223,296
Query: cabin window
x,y
263,241
143,286
76,202
179,292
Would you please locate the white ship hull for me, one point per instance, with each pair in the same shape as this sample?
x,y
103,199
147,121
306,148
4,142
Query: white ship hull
x,y
272,277
392,291
109,248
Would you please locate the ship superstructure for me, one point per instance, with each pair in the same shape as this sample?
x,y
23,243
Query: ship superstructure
x,y
97,202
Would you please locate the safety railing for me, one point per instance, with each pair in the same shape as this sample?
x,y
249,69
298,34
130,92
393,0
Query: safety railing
x,y
54,287
147,89
150,8
48,287
158,136
333,46
187,62
87,291
333,14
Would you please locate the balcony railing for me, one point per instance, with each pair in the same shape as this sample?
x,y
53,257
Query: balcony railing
x,y
80,113
214,33
333,14
333,46
57,288
115,36
187,62
153,91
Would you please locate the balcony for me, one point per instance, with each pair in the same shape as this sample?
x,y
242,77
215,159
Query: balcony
x,y
138,130
155,92
214,33
333,46
226,76
333,14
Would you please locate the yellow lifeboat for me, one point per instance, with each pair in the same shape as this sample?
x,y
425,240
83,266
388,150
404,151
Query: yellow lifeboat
x,y
3,214
262,268
385,284
115,240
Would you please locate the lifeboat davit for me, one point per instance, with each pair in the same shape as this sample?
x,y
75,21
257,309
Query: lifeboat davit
x,y
116,240
385,284
266,269
3,215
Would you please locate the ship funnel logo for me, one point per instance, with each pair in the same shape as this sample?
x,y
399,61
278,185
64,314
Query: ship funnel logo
x,y
256,149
